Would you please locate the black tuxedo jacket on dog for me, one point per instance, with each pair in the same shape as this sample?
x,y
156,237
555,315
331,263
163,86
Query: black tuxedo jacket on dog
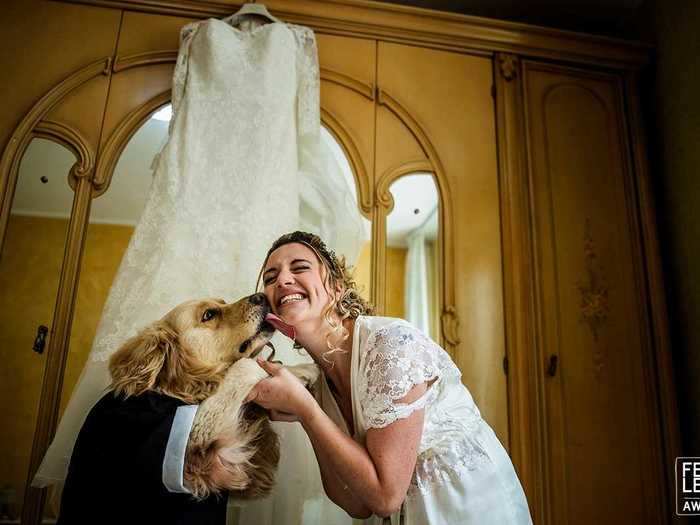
x,y
116,470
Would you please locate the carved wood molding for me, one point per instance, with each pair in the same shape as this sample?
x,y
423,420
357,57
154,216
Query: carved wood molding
x,y
449,332
378,260
450,325
118,139
519,285
362,177
384,204
385,180
23,133
507,65
170,57
416,26
150,58
71,139
115,144
362,88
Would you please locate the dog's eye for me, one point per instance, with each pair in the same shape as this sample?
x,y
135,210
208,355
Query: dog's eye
x,y
209,314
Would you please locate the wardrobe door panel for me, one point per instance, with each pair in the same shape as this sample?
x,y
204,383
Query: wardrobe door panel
x,y
44,43
444,100
352,57
347,104
598,407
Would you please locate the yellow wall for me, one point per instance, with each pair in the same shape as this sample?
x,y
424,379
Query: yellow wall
x,y
362,270
395,282
105,246
29,274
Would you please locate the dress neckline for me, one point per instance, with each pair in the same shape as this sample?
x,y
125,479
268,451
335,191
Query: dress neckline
x,y
253,31
354,362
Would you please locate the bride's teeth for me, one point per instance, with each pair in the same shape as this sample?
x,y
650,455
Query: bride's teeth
x,y
292,297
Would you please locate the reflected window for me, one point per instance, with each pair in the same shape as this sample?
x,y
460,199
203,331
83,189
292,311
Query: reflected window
x,y
412,253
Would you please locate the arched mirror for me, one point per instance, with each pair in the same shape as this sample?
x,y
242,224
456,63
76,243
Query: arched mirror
x,y
30,268
113,217
412,253
328,207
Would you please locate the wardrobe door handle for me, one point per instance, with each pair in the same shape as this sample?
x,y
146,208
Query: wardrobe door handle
x,y
552,367
40,340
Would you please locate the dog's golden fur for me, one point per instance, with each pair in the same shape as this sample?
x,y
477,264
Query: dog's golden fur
x,y
199,352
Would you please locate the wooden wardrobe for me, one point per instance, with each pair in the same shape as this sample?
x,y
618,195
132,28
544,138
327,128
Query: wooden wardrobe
x,y
551,294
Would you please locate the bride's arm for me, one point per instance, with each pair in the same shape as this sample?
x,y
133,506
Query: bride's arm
x,y
372,479
377,476
338,492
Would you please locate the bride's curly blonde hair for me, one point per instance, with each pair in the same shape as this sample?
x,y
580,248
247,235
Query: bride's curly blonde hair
x,y
350,304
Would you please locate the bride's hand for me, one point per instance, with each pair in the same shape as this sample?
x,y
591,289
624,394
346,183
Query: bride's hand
x,y
282,393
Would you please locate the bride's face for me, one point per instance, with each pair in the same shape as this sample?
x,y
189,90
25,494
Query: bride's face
x,y
293,284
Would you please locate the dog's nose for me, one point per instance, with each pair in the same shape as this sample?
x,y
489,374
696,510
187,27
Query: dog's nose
x,y
257,299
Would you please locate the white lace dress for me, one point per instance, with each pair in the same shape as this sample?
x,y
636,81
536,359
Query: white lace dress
x,y
245,107
463,474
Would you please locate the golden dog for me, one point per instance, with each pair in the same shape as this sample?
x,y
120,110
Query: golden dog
x,y
200,352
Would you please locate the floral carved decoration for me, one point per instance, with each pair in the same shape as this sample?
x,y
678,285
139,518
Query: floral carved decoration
x,y
509,66
594,292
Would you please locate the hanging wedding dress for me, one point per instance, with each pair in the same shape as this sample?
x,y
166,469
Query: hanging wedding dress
x,y
245,129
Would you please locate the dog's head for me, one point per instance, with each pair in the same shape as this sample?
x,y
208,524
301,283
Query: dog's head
x,y
186,353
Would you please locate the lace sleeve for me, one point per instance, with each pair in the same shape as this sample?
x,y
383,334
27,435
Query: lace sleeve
x,y
399,357
308,83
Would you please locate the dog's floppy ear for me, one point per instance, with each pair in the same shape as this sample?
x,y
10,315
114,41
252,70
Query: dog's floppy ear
x,y
138,362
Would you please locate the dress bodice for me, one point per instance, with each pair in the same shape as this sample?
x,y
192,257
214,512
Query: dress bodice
x,y
458,450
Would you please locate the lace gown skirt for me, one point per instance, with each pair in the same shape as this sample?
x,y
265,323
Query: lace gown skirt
x,y
485,491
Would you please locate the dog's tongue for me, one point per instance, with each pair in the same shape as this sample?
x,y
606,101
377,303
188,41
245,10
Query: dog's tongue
x,y
280,325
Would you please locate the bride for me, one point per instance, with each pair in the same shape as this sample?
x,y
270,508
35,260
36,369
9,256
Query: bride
x,y
395,432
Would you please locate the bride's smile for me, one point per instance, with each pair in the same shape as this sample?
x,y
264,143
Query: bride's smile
x,y
294,285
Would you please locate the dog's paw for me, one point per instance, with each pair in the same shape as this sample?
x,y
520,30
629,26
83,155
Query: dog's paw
x,y
308,374
244,373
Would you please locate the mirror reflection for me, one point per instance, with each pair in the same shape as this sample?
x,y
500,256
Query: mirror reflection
x,y
30,268
328,207
412,253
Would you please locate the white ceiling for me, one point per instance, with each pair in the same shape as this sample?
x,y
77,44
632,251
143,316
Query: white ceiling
x,y
415,206
126,197
121,204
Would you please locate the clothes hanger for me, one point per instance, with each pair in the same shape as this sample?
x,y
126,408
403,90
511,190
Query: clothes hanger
x,y
251,8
